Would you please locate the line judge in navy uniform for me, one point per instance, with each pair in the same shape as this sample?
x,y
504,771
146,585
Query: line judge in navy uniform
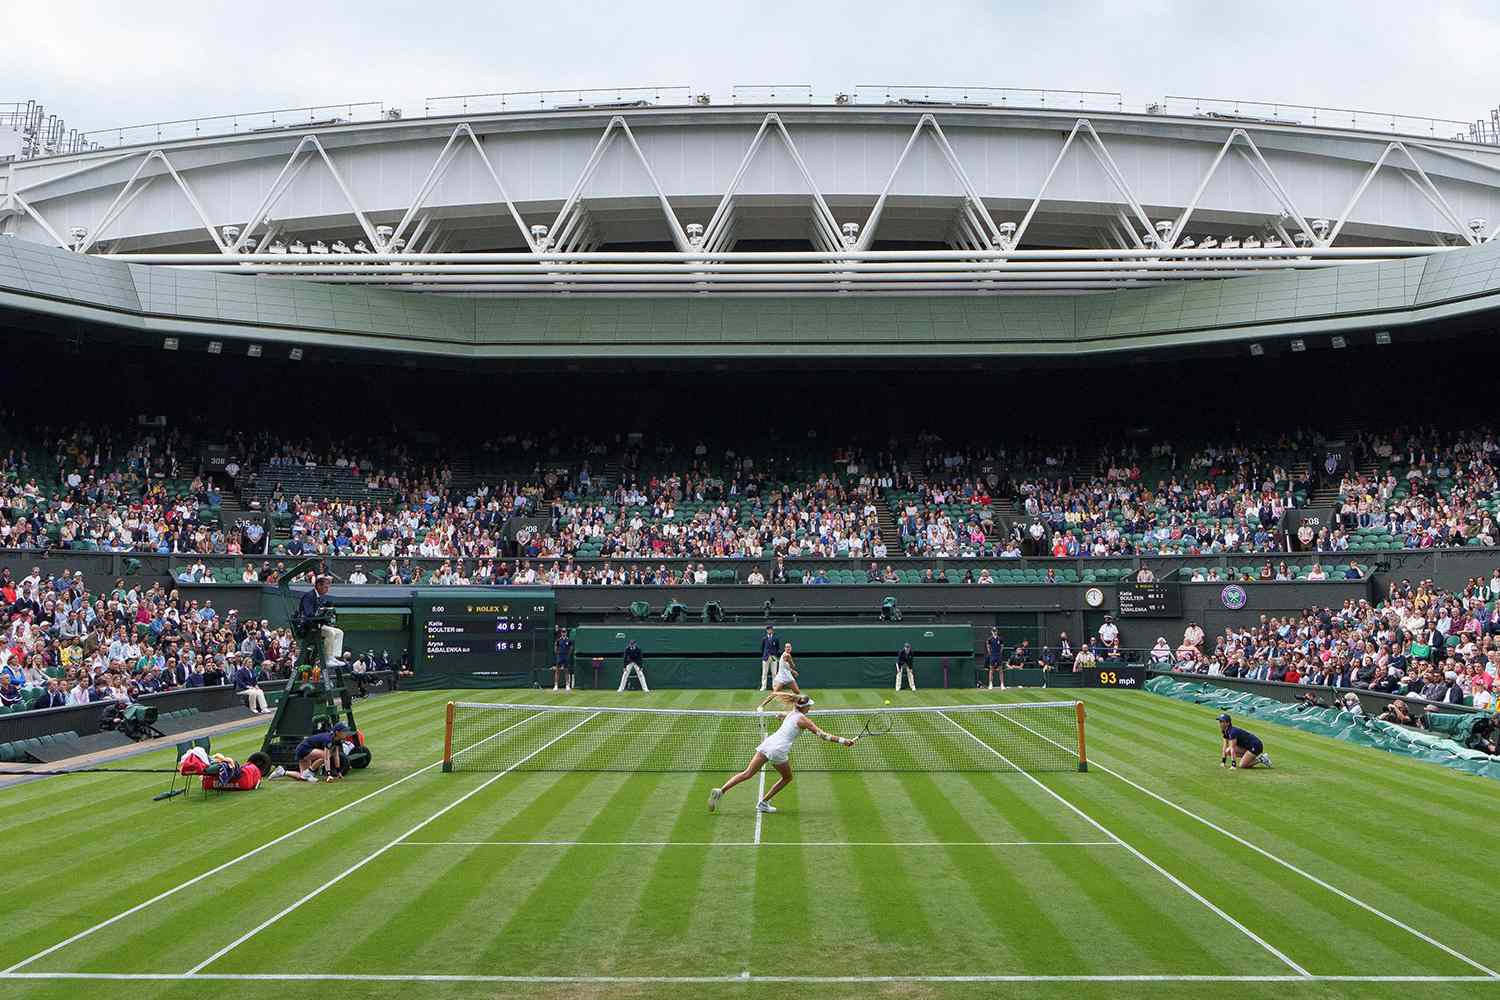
x,y
634,660
770,652
994,658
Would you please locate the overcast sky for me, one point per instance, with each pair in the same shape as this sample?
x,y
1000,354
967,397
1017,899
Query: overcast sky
x,y
104,64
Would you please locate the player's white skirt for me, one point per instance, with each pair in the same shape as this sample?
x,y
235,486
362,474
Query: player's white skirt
x,y
783,675
775,751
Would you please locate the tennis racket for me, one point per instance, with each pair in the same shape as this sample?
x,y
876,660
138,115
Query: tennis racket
x,y
875,725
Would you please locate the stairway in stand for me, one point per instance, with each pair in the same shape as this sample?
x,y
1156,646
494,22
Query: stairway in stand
x,y
890,534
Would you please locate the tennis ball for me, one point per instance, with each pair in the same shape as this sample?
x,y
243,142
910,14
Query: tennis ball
x,y
888,701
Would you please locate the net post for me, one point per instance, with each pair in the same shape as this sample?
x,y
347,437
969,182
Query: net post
x,y
1083,757
448,739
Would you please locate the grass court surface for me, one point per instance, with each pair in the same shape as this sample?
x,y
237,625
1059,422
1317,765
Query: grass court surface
x,y
1142,877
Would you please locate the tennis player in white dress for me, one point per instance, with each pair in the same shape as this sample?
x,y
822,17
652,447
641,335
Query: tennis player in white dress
x,y
786,674
777,748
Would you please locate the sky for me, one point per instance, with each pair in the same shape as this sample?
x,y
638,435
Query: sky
x,y
108,64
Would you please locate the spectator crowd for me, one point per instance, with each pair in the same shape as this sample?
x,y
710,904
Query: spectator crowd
x,y
1418,641
61,644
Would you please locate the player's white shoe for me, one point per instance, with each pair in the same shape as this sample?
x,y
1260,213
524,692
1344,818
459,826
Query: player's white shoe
x,y
278,772
1265,760
764,806
713,799
308,776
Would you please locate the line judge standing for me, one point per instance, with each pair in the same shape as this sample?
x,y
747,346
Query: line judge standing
x,y
770,652
633,661
906,662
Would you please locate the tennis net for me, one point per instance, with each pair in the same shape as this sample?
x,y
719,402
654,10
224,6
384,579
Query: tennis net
x,y
1023,736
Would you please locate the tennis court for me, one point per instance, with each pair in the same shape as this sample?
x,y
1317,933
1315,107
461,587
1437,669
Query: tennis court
x,y
1155,872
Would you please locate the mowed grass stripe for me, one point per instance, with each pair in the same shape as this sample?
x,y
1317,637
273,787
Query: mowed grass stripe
x,y
1196,722
1007,885
550,892
1303,923
1345,772
1156,928
1391,776
259,888
361,872
1350,856
1258,805
607,919
418,890
237,823
465,887
1282,904
886,886
561,792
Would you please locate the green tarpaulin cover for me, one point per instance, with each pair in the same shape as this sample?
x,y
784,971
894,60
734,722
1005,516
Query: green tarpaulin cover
x,y
1443,746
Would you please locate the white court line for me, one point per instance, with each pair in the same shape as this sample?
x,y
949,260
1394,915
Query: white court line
x,y
397,977
371,857
760,797
1158,868
1489,973
243,857
758,843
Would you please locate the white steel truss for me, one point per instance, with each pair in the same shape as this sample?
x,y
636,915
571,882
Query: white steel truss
x,y
435,175
718,234
572,215
129,192
974,221
1095,145
1261,169
283,182
1134,248
1421,182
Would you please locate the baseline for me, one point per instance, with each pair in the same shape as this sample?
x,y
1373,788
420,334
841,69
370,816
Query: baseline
x,y
398,977
757,843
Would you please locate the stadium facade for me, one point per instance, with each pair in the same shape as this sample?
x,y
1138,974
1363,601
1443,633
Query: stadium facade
x,y
885,222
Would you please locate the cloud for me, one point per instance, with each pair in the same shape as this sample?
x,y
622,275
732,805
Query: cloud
x,y
104,64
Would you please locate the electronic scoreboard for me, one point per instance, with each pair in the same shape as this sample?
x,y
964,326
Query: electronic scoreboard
x,y
488,637
1150,600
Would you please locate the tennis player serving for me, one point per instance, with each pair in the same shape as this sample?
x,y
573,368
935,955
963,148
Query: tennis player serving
x,y
1241,748
776,748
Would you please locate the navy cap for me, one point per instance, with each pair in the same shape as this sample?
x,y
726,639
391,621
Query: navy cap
x,y
342,728
1224,717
